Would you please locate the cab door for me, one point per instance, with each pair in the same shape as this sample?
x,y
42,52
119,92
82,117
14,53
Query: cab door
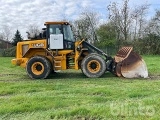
x,y
69,40
55,39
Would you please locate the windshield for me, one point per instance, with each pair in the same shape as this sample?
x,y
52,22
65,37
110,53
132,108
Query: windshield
x,y
55,29
68,35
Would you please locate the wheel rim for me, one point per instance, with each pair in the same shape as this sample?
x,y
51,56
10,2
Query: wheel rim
x,y
37,68
93,66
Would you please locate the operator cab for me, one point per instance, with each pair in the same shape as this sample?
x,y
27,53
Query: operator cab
x,y
59,35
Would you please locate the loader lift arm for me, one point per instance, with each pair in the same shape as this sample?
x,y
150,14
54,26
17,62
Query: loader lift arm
x,y
93,49
108,59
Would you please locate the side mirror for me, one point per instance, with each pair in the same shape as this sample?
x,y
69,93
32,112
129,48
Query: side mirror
x,y
44,28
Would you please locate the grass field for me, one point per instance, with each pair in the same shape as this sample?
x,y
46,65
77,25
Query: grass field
x,y
69,95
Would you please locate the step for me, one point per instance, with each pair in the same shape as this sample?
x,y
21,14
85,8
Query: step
x,y
57,66
57,61
58,57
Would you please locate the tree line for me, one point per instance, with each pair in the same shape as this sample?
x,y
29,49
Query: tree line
x,y
124,26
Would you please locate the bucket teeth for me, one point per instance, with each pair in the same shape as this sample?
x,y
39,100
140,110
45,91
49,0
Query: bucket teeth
x,y
123,53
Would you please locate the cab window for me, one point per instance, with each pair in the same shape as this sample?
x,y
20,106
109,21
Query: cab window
x,y
55,29
68,35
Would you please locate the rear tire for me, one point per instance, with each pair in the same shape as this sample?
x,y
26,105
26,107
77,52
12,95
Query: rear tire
x,y
38,67
93,65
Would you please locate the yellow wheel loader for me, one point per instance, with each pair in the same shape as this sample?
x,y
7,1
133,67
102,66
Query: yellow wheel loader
x,y
56,49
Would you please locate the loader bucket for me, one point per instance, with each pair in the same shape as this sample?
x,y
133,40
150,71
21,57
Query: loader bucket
x,y
130,64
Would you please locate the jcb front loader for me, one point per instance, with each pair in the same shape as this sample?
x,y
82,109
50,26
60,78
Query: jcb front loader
x,y
56,49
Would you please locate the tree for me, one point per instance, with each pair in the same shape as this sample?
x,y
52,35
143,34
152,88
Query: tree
x,y
139,20
1,36
33,31
149,44
17,38
85,26
106,35
130,23
150,41
153,26
6,34
121,18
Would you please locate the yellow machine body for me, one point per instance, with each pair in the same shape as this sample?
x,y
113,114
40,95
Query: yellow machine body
x,y
27,49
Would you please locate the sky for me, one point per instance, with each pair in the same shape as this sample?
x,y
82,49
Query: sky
x,y
19,14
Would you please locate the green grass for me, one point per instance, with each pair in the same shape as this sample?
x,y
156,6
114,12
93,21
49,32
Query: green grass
x,y
153,64
70,95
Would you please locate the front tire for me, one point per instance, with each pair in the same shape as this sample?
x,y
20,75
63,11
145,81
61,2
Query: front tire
x,y
93,65
38,67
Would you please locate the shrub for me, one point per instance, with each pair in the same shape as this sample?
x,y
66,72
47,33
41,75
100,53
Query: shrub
x,y
10,52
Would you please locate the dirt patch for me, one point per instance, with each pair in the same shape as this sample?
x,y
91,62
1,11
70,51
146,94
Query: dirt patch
x,y
154,77
8,75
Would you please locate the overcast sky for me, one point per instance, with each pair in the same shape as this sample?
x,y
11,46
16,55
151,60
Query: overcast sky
x,y
18,14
